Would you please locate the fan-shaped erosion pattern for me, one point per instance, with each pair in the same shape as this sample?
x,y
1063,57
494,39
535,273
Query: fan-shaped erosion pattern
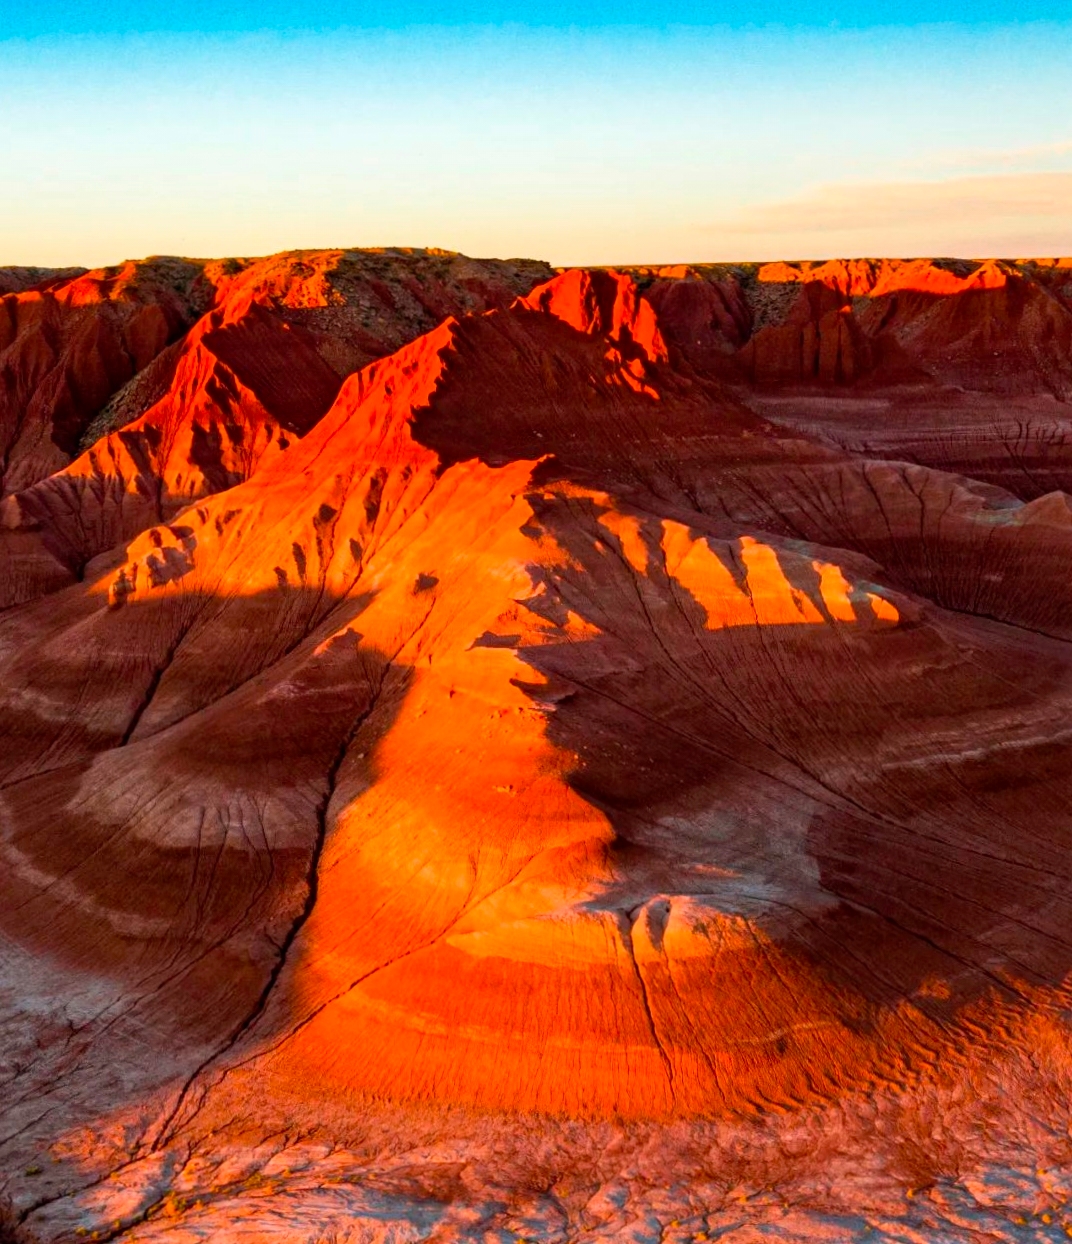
x,y
557,777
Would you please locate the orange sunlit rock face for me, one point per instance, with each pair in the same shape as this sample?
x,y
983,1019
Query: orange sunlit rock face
x,y
489,751
162,427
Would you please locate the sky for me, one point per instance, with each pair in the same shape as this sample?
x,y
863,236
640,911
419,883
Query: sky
x,y
603,132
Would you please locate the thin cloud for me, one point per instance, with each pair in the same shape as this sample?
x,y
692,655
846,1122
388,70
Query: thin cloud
x,y
1052,157
1002,203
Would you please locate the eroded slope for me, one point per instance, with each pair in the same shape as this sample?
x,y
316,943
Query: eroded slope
x,y
256,370
544,777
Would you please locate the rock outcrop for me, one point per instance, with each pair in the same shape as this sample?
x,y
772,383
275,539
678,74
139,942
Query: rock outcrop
x,y
960,365
68,343
995,326
256,371
542,784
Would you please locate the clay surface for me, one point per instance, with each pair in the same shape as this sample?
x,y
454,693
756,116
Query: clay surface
x,y
499,755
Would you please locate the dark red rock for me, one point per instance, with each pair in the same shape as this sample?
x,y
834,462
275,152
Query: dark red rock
x,y
559,786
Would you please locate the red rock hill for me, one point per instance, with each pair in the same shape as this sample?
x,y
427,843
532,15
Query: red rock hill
x,y
552,735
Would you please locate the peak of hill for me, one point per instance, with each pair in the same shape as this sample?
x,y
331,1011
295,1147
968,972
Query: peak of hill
x,y
483,758
262,349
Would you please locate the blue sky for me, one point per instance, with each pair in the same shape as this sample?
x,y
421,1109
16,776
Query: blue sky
x,y
208,16
582,134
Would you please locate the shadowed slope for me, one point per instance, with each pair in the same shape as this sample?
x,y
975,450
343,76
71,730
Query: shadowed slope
x,y
69,342
256,371
959,365
15,278
544,732
993,326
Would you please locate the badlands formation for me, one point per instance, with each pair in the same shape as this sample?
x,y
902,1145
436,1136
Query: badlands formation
x,y
492,754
